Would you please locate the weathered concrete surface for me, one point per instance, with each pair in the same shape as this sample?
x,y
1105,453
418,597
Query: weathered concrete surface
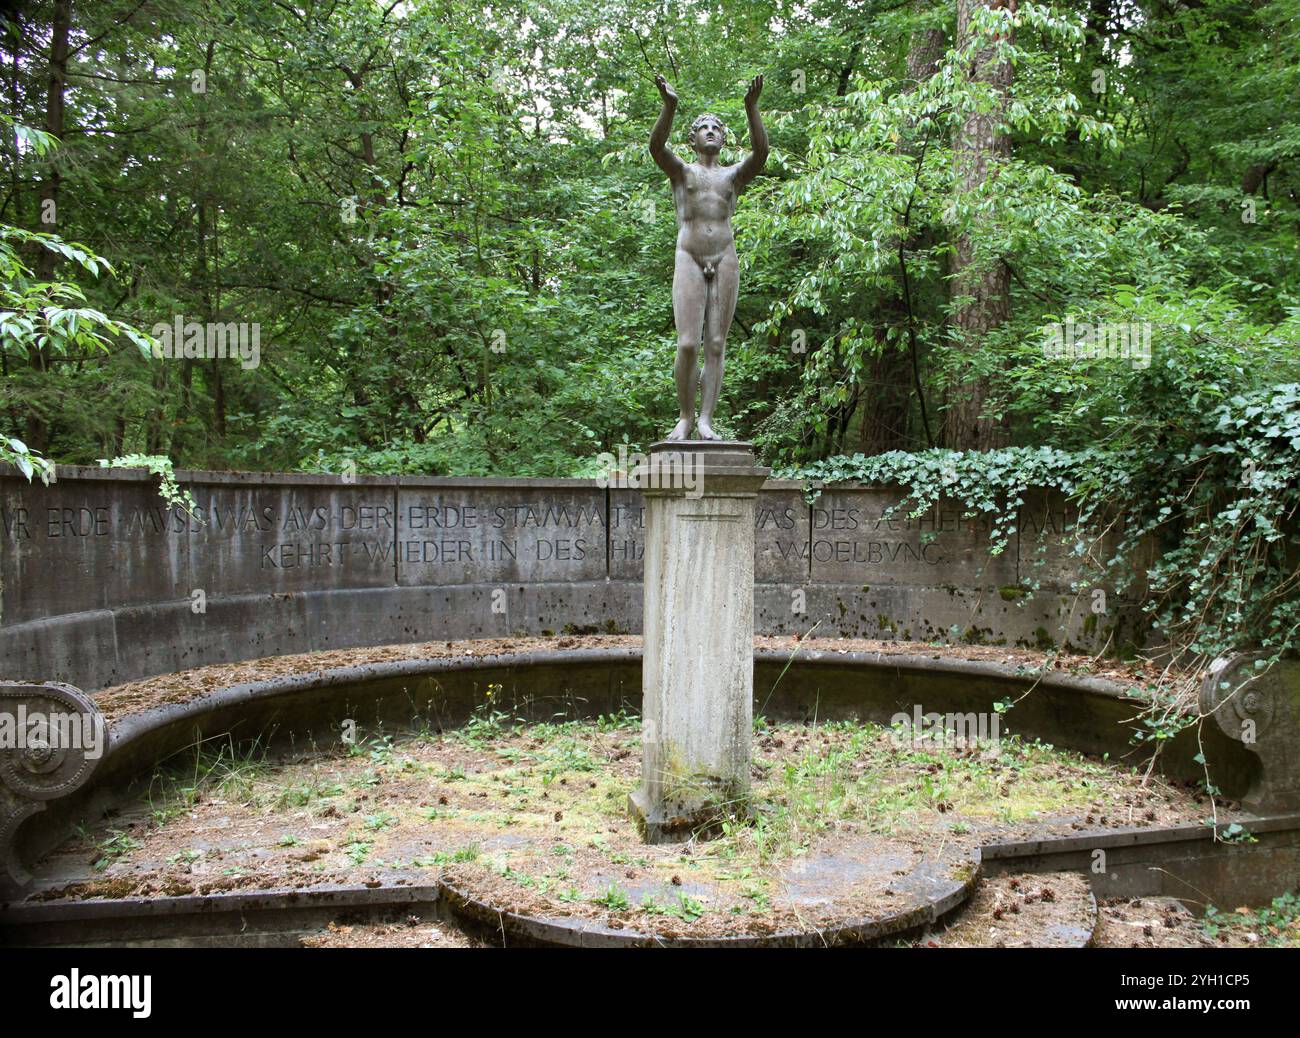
x,y
782,533
697,679
264,919
864,535
1045,619
1198,865
101,583
923,893
289,711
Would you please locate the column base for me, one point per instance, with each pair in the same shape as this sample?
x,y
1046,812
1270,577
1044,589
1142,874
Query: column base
x,y
675,823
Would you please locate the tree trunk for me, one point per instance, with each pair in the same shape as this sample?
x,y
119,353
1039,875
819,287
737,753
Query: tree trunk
x,y
887,400
1256,177
979,148
36,431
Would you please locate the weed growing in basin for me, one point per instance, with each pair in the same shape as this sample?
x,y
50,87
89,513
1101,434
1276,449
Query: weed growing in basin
x,y
115,846
460,856
306,794
651,905
758,895
686,908
569,757
623,720
218,768
1277,926
523,879
486,725
615,899
379,821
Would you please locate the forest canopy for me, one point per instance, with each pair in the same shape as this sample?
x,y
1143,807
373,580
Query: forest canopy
x,y
443,222
996,244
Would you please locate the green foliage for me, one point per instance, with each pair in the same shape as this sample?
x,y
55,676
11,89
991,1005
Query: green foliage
x,y
1278,925
1220,492
446,223
614,898
36,320
993,483
168,489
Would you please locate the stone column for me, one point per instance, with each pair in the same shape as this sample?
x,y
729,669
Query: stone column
x,y
698,670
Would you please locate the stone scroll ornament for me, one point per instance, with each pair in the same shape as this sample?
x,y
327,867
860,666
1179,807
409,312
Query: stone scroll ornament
x,y
706,274
1260,708
52,737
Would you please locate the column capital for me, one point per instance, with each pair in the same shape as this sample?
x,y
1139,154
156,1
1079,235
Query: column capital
x,y
703,468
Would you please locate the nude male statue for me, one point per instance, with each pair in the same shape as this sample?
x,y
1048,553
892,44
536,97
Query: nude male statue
x,y
706,276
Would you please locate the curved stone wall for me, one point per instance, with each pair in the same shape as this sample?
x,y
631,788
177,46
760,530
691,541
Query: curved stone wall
x,y
101,582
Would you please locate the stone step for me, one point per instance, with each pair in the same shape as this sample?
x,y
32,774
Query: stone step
x,y
1024,910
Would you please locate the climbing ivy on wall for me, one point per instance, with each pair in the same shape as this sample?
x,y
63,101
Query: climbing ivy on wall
x,y
1222,509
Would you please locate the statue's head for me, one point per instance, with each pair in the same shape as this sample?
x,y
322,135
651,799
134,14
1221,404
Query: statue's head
x,y
708,134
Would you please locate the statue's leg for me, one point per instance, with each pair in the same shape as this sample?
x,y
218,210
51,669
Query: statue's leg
x,y
721,308
688,312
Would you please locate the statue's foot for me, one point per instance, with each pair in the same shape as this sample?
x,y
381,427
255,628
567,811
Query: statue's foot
x,y
705,429
681,430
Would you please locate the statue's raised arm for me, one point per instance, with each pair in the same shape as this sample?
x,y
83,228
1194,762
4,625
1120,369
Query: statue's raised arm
x,y
664,157
752,164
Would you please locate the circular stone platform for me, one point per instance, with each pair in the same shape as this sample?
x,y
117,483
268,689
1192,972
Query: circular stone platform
x,y
859,835
853,890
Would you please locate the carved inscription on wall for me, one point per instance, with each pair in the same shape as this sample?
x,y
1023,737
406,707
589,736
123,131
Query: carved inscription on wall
x,y
861,536
481,534
84,544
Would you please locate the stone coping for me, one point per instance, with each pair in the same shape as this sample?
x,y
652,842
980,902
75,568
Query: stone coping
x,y
303,671
234,477
242,477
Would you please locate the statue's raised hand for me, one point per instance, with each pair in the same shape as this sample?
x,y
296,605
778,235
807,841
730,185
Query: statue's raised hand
x,y
665,91
755,88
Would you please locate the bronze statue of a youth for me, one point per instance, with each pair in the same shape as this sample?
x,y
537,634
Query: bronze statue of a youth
x,y
706,276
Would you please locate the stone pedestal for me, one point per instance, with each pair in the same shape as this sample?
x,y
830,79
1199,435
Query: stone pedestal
x,y
698,669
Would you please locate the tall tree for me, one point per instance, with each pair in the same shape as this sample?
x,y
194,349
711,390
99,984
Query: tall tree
x,y
894,384
55,121
980,284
